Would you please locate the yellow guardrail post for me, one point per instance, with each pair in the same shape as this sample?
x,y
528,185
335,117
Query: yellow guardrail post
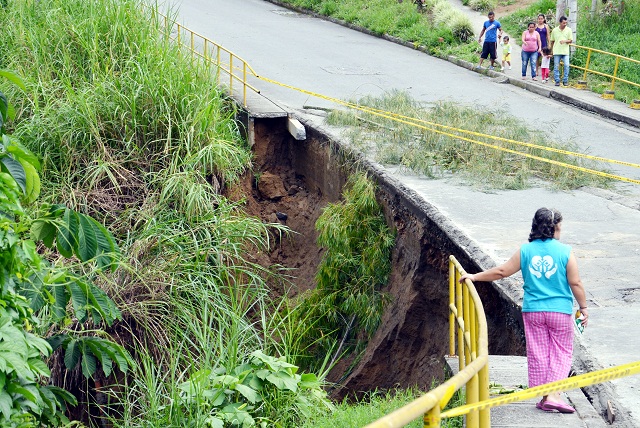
x,y
615,72
483,376
459,322
432,418
207,55
230,73
452,301
586,66
467,317
218,64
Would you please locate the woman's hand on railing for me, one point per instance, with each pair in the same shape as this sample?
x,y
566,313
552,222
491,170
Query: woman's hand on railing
x,y
466,276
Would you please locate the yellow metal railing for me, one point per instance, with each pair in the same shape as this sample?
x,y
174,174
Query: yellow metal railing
x,y
469,338
212,53
616,68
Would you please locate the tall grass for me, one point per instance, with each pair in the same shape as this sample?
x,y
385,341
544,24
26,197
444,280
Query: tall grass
x,y
438,155
136,133
377,404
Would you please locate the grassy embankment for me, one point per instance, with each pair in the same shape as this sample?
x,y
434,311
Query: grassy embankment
x,y
134,133
440,29
608,30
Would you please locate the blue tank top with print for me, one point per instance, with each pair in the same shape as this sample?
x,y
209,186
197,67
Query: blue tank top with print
x,y
544,270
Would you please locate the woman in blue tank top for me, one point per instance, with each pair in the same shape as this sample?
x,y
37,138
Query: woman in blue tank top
x,y
551,282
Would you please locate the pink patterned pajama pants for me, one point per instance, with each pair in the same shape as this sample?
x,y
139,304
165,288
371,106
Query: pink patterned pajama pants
x,y
549,338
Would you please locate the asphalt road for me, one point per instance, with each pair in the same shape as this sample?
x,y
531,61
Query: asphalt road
x,y
601,226
329,59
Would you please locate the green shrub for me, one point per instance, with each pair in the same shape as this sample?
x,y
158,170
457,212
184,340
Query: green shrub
x,y
262,390
328,8
39,299
461,27
483,5
347,304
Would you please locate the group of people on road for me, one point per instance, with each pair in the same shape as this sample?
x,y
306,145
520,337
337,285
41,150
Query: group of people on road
x,y
539,45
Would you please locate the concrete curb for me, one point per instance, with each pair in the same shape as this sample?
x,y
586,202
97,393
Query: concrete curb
x,y
536,89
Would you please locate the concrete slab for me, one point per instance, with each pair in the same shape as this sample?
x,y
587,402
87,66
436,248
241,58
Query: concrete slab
x,y
510,373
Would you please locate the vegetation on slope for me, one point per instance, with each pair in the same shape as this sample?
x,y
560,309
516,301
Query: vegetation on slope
x,y
440,27
134,133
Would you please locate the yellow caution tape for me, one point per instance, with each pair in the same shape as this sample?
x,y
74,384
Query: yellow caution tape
x,y
398,118
574,382
419,123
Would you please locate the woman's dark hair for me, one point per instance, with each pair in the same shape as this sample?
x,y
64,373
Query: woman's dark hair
x,y
544,224
530,24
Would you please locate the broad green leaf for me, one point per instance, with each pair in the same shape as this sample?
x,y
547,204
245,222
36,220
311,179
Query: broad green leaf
x,y
19,364
214,422
309,380
120,356
87,247
21,153
34,292
16,170
63,395
13,78
6,404
56,211
107,248
42,230
38,367
283,380
97,347
39,343
225,380
235,414
254,382
105,307
13,340
61,296
29,250
88,363
72,354
32,182
26,392
78,290
49,399
57,340
216,396
66,239
249,393
262,374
